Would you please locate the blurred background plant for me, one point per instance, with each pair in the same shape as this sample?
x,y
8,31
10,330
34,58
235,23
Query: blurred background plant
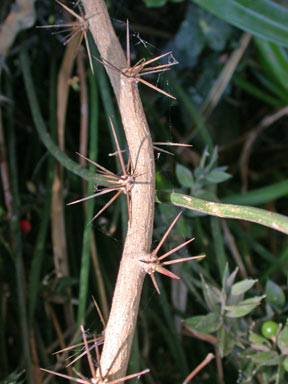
x,y
231,90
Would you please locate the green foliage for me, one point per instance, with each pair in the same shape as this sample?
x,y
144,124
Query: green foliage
x,y
227,307
205,323
14,378
198,31
274,294
207,173
159,3
268,356
264,18
271,77
225,304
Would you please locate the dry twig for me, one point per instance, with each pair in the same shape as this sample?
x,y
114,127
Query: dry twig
x,y
203,364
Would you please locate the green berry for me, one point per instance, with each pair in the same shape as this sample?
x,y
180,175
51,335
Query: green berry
x,y
269,329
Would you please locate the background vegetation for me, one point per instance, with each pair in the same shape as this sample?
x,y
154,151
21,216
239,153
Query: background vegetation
x,y
231,90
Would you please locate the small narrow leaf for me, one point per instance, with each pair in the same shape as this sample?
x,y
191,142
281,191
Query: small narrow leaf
x,y
184,176
242,286
244,307
205,324
258,340
226,342
212,295
263,358
274,294
166,272
282,340
217,175
226,277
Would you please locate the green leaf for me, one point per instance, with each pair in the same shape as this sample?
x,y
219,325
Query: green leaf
x,y
226,342
263,18
155,3
274,60
215,31
274,294
267,358
217,175
258,92
259,340
184,176
14,378
212,295
230,279
205,324
226,277
242,286
244,307
282,340
189,42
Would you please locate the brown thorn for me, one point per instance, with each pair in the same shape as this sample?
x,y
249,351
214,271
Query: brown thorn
x,y
128,44
129,208
96,164
81,381
158,68
175,261
163,150
154,253
172,144
70,37
98,361
80,41
100,341
106,63
129,377
78,357
99,312
89,357
153,278
106,206
71,347
155,88
165,272
80,18
150,71
118,149
174,250
68,25
89,53
100,193
158,58
79,374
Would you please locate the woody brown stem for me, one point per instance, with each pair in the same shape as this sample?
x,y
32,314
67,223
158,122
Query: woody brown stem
x,y
120,328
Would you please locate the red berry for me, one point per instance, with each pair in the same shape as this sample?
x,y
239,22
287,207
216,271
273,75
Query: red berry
x,y
25,226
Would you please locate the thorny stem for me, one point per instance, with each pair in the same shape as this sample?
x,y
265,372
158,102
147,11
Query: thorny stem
x,y
120,328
